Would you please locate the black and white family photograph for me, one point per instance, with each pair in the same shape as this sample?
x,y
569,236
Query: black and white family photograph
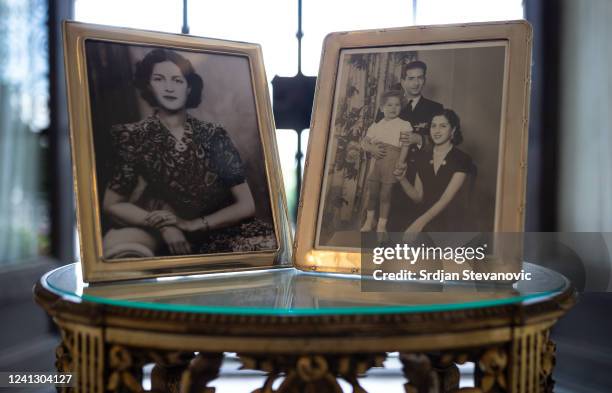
x,y
179,159
415,142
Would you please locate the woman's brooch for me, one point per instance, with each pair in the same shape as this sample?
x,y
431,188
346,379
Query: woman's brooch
x,y
181,146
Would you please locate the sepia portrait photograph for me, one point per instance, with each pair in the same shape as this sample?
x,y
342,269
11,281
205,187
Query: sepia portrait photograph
x,y
182,167
178,157
414,142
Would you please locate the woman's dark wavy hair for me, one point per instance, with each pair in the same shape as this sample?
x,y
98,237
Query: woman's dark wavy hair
x,y
454,121
144,69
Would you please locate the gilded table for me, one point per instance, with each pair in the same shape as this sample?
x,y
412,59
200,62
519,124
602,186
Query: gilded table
x,y
304,328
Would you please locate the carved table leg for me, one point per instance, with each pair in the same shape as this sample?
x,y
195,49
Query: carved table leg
x,y
125,370
312,373
63,356
168,370
419,371
180,372
431,372
533,361
438,373
447,372
490,373
548,360
202,369
81,352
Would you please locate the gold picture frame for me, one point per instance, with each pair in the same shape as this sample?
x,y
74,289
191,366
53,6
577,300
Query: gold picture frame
x,y
245,61
506,212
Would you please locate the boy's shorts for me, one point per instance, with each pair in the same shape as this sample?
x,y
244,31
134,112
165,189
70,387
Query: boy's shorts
x,y
382,169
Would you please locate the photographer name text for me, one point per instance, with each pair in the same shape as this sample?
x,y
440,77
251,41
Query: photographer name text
x,y
443,276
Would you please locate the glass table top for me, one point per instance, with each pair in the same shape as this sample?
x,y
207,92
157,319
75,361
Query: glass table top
x,y
288,291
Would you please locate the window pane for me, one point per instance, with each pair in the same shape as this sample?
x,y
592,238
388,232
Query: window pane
x,y
322,17
453,11
271,23
24,86
305,135
159,15
287,147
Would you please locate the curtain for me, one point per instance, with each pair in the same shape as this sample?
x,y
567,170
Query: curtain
x,y
585,180
23,114
366,76
113,99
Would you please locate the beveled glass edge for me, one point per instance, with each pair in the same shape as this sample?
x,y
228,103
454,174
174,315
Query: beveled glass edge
x,y
224,310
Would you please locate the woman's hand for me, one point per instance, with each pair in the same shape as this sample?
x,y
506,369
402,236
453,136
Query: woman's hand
x,y
411,234
160,218
417,226
190,225
414,192
400,174
176,241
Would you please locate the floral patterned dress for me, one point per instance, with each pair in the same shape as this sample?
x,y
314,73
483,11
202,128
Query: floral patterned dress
x,y
192,177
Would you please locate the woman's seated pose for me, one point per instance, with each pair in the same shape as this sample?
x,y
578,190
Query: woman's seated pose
x,y
178,184
441,175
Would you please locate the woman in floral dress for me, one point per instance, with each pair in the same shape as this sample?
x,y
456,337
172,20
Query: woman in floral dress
x,y
178,184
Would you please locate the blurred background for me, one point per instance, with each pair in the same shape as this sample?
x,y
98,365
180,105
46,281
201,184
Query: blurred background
x,y
570,140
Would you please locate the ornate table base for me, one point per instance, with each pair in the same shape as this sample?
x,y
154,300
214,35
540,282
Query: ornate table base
x,y
522,365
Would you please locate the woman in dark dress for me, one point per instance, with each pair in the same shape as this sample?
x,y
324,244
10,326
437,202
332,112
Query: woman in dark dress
x,y
441,179
178,183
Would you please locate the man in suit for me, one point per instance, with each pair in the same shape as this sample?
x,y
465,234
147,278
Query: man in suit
x,y
418,110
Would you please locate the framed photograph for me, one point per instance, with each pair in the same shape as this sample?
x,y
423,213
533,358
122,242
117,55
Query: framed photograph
x,y
415,130
175,162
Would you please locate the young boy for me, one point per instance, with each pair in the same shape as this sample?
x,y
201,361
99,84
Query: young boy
x,y
382,174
